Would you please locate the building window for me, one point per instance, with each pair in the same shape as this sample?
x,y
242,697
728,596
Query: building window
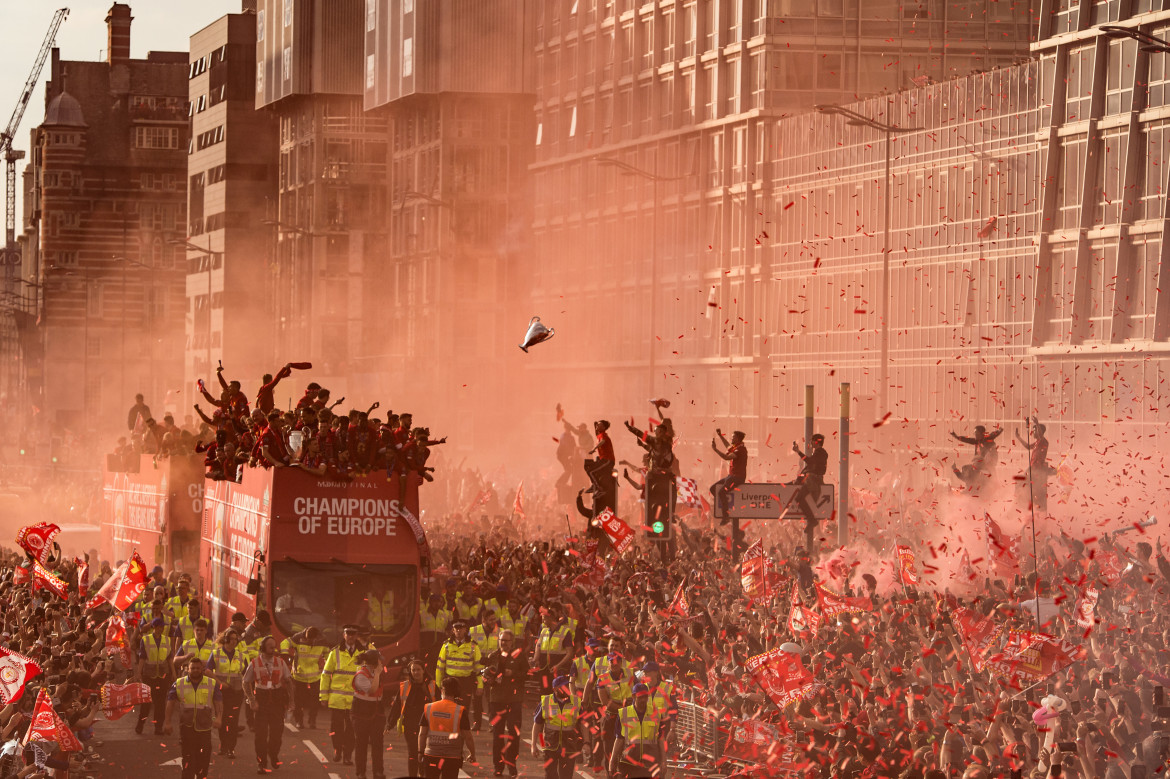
x,y
1119,86
690,30
93,300
407,6
710,93
286,63
408,57
156,137
288,13
710,25
733,90
371,14
667,35
371,68
260,25
259,79
1080,83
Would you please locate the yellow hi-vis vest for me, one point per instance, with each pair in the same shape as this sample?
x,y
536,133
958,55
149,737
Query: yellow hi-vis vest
x,y
157,653
581,668
557,715
307,660
556,642
229,670
433,623
196,702
486,643
660,700
337,677
380,612
191,649
458,660
640,733
187,627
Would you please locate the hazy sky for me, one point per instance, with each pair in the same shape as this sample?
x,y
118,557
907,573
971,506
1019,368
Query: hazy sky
x,y
160,25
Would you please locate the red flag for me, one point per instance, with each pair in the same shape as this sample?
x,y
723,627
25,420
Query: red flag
x,y
1111,568
833,604
802,620
906,565
966,570
300,366
82,577
1029,657
1001,548
518,504
43,577
782,676
37,540
618,532
119,699
124,587
48,726
1087,608
977,633
20,575
680,604
15,671
116,642
481,499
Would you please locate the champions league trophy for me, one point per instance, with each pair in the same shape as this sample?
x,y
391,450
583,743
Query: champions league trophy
x,y
537,333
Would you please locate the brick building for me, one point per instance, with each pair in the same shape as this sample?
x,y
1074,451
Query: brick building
x,y
231,207
104,195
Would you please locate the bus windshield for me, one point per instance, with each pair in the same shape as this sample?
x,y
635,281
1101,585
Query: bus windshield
x,y
381,598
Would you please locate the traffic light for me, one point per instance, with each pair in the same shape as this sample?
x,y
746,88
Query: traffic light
x,y
660,497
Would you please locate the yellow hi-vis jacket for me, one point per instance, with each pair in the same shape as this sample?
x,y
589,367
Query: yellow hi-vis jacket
x,y
459,660
337,677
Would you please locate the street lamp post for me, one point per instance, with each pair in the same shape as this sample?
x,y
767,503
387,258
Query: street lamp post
x,y
631,170
856,119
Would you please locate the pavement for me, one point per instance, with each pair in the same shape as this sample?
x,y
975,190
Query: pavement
x,y
306,754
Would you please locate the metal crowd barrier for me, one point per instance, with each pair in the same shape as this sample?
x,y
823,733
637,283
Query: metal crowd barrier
x,y
696,744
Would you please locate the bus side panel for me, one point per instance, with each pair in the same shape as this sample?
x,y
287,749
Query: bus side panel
x,y
235,530
134,506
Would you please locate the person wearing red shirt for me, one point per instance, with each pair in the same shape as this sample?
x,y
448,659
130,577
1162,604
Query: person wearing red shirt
x,y
600,470
265,397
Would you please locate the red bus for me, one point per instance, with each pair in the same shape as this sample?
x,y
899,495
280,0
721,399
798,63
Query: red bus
x,y
153,507
315,551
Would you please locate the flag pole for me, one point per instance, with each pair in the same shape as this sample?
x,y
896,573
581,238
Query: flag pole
x,y
1032,508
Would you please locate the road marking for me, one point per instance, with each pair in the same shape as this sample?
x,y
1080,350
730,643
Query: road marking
x,y
291,727
316,752
334,776
176,761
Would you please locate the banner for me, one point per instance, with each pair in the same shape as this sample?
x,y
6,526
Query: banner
x,y
906,565
688,492
124,587
1001,549
1086,610
680,605
117,644
48,726
977,633
619,533
518,503
774,753
117,700
800,619
1029,656
15,671
43,577
833,605
782,676
82,577
20,575
37,540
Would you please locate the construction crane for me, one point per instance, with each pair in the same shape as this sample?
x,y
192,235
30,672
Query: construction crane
x,y
11,255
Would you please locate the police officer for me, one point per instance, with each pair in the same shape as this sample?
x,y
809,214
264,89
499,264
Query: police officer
x,y
443,732
460,659
267,689
640,748
200,705
414,692
553,647
486,637
154,670
227,666
307,655
337,691
557,726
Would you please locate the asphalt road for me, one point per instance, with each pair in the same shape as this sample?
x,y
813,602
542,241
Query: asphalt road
x,y
306,754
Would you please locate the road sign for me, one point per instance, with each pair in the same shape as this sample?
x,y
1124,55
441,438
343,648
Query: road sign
x,y
767,501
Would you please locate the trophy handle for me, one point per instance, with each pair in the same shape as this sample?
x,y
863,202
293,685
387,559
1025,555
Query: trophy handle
x,y
534,319
551,333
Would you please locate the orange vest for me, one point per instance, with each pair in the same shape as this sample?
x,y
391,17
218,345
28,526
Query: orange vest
x,y
404,690
375,693
442,718
266,678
